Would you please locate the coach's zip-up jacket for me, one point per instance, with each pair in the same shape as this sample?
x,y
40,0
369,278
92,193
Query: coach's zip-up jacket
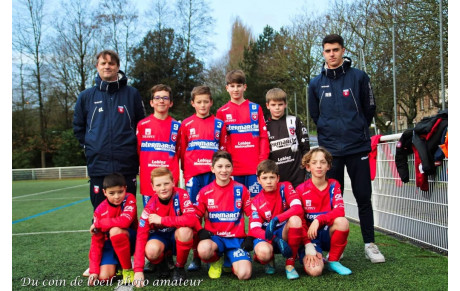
x,y
342,105
105,121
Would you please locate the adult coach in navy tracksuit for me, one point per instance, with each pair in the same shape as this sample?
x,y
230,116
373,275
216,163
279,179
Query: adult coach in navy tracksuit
x,y
104,123
342,105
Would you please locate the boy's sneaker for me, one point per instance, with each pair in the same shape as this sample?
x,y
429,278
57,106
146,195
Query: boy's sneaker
x,y
372,253
178,274
338,268
195,265
119,272
269,268
128,276
291,273
215,269
170,261
86,273
163,269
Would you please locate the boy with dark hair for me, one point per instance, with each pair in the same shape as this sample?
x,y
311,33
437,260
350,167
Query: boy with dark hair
x,y
201,135
247,139
113,232
276,221
157,140
288,138
223,203
165,226
325,214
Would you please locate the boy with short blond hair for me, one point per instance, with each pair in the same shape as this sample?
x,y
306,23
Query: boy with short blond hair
x,y
201,135
288,138
157,140
113,232
246,139
166,225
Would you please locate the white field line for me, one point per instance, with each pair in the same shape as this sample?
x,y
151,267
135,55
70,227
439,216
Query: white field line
x,y
52,232
44,192
42,199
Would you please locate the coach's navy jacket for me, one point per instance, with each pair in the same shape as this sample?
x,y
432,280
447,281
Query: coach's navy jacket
x,y
342,105
104,123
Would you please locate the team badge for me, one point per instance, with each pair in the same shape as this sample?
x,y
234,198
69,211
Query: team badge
x,y
292,130
398,145
217,134
228,116
96,189
192,131
254,116
174,136
346,92
121,109
238,204
148,131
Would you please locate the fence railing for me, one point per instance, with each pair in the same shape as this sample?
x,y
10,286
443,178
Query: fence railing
x,y
404,209
50,173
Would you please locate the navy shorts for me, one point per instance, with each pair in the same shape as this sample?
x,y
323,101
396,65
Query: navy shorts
x,y
279,233
109,257
230,247
195,184
167,238
322,242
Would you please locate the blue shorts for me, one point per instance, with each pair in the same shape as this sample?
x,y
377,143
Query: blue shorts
x,y
322,242
250,181
230,247
279,233
167,238
109,257
195,184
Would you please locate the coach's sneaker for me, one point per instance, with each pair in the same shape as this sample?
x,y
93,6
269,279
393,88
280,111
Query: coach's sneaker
x,y
215,269
372,253
338,268
269,267
86,273
291,273
195,265
128,276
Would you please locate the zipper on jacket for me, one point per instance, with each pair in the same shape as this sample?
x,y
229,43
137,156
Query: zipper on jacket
x,y
320,100
92,117
129,117
356,104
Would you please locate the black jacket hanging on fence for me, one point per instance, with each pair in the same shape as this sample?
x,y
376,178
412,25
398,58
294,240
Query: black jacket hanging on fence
x,y
423,141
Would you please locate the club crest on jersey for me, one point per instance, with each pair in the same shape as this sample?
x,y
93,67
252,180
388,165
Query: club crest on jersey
x,y
268,214
239,204
399,144
228,116
210,201
121,109
254,116
217,134
192,131
148,131
174,136
346,92
292,130
96,189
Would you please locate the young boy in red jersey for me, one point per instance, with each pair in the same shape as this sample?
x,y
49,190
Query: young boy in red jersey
x,y
223,203
165,225
157,140
277,220
325,214
247,139
113,232
201,135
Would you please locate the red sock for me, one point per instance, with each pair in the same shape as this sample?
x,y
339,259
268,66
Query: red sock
x,y
295,239
338,244
255,258
213,259
182,250
196,240
120,243
158,260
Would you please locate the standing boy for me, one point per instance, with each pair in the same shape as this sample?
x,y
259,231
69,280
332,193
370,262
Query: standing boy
x,y
113,232
247,139
342,105
165,225
276,221
223,204
325,214
288,138
157,140
201,135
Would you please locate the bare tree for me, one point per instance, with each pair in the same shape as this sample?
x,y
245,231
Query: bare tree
x,y
241,36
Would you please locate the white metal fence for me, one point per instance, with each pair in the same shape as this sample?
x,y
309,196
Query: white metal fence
x,y
404,209
50,173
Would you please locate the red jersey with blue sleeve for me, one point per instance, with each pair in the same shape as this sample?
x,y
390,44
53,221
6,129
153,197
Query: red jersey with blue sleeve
x,y
247,138
225,207
178,212
323,205
283,203
157,145
200,138
105,217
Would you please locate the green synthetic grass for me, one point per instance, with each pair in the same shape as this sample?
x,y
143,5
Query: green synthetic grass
x,y
59,258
